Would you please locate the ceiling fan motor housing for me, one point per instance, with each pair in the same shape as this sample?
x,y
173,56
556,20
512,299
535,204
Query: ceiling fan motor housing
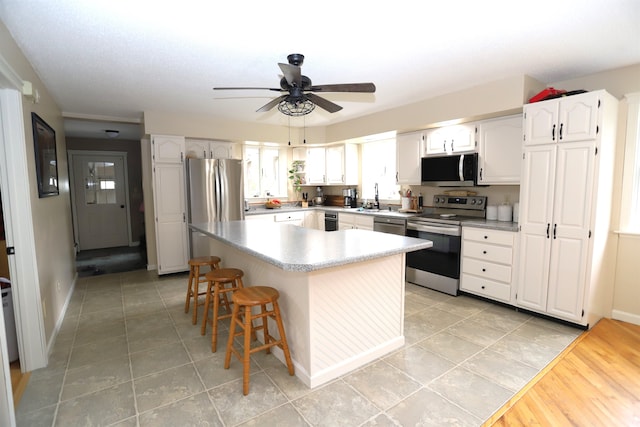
x,y
295,59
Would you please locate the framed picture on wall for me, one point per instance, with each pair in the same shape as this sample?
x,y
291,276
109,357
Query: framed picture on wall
x,y
44,141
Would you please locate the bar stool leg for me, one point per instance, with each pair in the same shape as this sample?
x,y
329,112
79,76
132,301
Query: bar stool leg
x,y
232,333
207,303
216,309
246,359
189,290
195,289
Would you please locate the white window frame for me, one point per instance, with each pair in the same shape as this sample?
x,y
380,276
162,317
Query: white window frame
x,y
630,200
386,178
282,179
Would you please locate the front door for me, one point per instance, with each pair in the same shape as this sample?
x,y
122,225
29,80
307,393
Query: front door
x,y
100,200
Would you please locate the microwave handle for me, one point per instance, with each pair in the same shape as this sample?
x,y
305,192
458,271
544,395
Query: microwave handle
x,y
460,167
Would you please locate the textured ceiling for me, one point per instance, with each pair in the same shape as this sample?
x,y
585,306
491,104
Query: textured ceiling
x,y
117,59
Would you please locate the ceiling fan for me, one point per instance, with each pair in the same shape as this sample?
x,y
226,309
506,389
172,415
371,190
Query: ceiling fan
x,y
300,98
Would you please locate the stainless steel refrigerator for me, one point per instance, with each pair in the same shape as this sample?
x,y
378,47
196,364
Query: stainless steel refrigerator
x,y
215,192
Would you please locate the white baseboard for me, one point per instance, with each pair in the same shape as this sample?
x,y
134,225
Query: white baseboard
x,y
63,312
626,317
151,267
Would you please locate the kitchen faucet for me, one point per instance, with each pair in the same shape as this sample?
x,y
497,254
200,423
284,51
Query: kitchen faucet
x,y
376,203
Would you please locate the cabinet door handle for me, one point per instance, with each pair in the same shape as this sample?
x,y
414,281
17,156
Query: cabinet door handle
x,y
204,154
480,174
396,177
484,252
560,136
553,133
554,230
444,146
486,237
452,145
548,225
484,269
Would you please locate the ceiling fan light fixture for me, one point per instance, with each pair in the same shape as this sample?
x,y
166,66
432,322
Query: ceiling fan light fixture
x,y
111,133
298,108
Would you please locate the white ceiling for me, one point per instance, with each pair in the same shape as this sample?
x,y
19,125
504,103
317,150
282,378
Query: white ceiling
x,y
117,59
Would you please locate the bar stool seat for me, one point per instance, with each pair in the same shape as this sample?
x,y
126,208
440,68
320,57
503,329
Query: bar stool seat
x,y
220,283
196,276
243,300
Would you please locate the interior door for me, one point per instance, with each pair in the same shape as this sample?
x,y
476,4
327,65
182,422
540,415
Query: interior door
x,y
100,201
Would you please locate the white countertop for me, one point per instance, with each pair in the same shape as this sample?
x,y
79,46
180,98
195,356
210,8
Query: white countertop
x,y
294,248
380,213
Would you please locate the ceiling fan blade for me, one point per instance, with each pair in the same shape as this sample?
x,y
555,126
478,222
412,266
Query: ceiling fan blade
x,y
292,73
323,103
345,87
269,105
248,88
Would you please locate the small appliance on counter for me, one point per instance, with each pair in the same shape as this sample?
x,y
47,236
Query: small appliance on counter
x,y
319,199
350,197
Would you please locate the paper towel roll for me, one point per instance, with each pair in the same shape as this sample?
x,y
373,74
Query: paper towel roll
x,y
492,212
504,213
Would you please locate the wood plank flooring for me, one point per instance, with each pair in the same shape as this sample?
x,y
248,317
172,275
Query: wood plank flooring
x,y
19,382
594,382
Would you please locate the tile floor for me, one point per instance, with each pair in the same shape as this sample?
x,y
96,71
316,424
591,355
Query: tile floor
x,y
128,355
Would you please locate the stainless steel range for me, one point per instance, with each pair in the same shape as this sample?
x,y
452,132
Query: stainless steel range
x,y
439,267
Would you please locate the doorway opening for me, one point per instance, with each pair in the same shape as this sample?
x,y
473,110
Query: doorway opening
x,y
105,212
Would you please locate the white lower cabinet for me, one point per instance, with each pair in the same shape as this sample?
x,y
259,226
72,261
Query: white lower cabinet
x,y
294,218
355,221
489,263
259,217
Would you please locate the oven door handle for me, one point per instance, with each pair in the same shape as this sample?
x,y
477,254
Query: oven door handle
x,y
460,167
436,229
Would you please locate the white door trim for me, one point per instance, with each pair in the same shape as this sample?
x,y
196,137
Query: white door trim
x,y
14,184
123,154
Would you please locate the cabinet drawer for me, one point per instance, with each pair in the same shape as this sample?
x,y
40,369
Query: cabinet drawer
x,y
487,235
485,287
289,216
483,251
488,270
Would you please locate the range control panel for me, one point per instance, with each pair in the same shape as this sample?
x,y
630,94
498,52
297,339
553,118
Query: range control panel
x,y
467,202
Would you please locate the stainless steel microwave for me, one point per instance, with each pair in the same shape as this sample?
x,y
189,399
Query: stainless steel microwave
x,y
456,170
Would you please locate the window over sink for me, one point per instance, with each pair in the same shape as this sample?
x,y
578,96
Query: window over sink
x,y
379,167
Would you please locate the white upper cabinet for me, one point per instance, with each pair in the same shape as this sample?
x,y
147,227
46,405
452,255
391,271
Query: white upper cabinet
x,y
335,164
168,148
408,155
332,165
203,149
500,150
315,165
451,139
573,118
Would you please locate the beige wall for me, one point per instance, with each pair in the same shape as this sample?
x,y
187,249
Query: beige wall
x,y
51,215
626,297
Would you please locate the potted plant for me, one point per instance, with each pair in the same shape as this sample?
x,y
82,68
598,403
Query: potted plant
x,y
296,175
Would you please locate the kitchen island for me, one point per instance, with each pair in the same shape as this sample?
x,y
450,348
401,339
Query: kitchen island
x,y
341,292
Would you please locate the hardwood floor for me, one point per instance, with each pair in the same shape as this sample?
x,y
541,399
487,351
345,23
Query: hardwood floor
x,y
595,381
19,381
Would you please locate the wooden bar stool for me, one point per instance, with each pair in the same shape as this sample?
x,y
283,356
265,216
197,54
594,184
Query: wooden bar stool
x,y
243,300
196,276
220,283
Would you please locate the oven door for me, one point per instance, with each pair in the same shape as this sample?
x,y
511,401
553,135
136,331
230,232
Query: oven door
x,y
443,259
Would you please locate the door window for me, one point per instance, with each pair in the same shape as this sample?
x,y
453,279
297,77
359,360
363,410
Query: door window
x,y
100,183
